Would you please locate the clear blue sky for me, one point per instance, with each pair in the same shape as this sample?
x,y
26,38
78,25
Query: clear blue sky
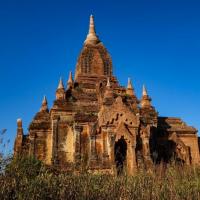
x,y
153,42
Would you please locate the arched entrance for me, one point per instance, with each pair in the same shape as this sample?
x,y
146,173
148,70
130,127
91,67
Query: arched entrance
x,y
120,152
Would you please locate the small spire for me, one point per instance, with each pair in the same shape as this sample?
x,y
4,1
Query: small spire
x,y
108,91
70,80
108,82
92,25
129,86
19,123
144,91
60,85
60,92
92,38
130,90
146,100
44,102
19,128
44,106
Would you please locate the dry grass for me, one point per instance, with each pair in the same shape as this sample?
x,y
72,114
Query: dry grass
x,y
28,178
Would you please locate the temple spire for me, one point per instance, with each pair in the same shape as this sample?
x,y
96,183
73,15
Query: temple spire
x,y
44,106
92,38
44,100
60,92
70,81
146,100
60,85
108,91
130,90
19,139
129,86
144,91
19,123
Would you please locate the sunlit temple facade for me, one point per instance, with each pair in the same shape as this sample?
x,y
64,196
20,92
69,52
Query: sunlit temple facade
x,y
97,123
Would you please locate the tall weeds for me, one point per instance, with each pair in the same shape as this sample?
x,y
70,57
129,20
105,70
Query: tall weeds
x,y
28,178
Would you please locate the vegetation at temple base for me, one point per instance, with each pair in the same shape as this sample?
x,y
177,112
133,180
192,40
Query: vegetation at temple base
x,y
28,178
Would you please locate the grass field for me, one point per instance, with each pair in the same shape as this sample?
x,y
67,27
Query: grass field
x,y
28,178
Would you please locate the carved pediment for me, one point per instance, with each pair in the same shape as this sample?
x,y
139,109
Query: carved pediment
x,y
116,113
123,130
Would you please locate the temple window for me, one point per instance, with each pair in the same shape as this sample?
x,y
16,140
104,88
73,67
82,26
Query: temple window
x,y
106,68
86,65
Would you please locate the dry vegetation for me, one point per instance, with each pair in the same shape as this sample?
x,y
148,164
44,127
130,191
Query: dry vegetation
x,y
27,178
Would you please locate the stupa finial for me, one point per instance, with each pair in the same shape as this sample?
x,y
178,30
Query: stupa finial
x,y
129,89
92,38
70,81
60,85
144,91
44,106
129,86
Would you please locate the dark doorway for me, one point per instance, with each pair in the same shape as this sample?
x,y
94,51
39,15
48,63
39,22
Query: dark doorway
x,y
120,154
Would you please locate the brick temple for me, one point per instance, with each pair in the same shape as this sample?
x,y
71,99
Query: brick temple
x,y
103,126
